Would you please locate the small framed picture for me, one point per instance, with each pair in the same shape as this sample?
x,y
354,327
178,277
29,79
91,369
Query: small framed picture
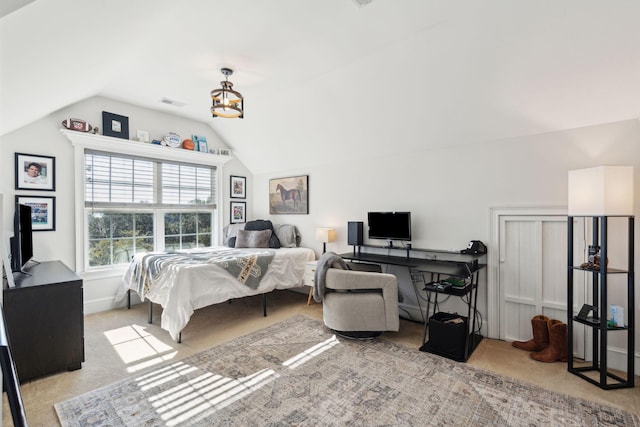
x,y
43,211
35,172
224,152
143,136
238,187
115,125
201,143
238,212
213,151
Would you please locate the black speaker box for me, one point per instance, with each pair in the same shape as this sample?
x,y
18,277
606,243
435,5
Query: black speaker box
x,y
355,233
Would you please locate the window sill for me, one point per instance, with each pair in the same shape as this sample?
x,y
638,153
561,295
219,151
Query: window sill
x,y
105,273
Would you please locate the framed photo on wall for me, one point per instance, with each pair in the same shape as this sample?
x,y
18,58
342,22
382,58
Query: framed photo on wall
x,y
238,212
238,187
43,211
289,195
35,172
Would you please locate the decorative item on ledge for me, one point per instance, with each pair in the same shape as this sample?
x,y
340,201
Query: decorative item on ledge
x,y
173,140
77,125
115,125
188,144
200,143
110,144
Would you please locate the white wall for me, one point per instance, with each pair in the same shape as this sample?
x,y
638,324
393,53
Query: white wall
x,y
44,138
450,191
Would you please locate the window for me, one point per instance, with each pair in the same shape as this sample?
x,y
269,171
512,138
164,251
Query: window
x,y
134,204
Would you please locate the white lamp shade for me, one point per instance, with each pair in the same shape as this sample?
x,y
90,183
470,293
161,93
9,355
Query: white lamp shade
x,y
325,234
601,191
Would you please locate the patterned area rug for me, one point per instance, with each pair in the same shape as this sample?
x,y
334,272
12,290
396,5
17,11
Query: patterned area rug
x,y
298,373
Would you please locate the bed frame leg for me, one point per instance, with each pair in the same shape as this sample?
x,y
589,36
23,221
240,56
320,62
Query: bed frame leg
x,y
179,338
129,299
150,317
264,304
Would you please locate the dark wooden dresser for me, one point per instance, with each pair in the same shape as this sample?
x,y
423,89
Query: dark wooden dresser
x,y
45,320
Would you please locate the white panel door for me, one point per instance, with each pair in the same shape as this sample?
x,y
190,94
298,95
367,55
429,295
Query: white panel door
x,y
532,272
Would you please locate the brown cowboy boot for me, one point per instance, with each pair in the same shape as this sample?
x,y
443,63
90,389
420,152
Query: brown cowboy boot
x,y
540,338
558,346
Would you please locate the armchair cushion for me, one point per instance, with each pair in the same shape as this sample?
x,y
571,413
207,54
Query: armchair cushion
x,y
361,301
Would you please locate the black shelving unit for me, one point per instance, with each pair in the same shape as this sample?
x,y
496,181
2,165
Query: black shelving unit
x,y
601,375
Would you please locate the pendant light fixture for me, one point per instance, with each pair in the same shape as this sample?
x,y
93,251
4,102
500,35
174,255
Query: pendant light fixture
x,y
226,101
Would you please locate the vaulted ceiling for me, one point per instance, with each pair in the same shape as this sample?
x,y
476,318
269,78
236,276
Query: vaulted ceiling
x,y
330,78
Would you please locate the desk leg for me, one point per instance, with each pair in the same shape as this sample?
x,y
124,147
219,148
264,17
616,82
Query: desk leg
x,y
426,322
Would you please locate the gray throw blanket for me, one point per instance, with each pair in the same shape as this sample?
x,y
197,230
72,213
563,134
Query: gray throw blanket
x,y
326,261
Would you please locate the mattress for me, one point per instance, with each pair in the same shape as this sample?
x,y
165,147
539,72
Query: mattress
x,y
183,287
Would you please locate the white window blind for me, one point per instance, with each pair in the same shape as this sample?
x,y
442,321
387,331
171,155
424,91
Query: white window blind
x,y
113,180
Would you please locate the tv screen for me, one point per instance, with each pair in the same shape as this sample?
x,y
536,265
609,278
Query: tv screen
x,y
390,225
22,240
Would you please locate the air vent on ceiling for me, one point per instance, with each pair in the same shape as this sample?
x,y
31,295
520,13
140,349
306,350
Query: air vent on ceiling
x,y
362,3
172,102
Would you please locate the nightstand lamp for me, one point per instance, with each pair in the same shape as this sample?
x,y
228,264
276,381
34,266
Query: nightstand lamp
x,y
325,235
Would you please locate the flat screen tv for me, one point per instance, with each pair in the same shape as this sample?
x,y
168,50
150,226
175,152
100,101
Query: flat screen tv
x,y
22,240
389,225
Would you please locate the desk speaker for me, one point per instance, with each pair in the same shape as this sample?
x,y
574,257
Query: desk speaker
x,y
355,233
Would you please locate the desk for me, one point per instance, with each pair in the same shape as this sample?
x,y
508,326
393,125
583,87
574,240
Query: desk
x,y
425,271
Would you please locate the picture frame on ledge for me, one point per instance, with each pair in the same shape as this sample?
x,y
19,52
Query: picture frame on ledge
x,y
238,212
115,125
35,172
43,211
200,143
238,187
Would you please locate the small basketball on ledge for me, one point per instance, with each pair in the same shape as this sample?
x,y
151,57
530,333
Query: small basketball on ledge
x,y
188,144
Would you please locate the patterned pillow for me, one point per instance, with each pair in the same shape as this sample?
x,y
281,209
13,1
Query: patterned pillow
x,y
253,239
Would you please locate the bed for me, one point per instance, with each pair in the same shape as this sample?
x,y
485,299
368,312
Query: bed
x,y
184,281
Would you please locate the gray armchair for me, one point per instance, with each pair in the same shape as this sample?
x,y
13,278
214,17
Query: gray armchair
x,y
360,304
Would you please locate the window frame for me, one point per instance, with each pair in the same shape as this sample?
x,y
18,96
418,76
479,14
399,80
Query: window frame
x,y
82,141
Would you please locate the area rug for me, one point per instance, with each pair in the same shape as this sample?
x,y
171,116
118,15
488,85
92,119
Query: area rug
x,y
297,373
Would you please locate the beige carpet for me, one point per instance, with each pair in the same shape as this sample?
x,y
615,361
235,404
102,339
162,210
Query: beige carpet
x,y
297,372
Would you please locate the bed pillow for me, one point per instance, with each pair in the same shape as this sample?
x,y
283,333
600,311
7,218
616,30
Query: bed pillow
x,y
288,235
253,239
230,232
264,224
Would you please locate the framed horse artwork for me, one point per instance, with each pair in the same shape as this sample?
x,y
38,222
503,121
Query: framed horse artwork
x,y
289,195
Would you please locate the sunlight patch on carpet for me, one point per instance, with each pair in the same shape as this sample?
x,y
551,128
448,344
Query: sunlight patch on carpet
x,y
138,348
309,354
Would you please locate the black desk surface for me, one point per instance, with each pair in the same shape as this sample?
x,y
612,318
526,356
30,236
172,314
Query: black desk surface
x,y
452,264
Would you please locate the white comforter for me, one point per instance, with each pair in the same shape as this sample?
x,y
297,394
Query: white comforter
x,y
184,289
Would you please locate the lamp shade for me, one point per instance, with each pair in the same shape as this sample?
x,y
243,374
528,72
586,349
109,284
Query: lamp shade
x,y
601,191
325,234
